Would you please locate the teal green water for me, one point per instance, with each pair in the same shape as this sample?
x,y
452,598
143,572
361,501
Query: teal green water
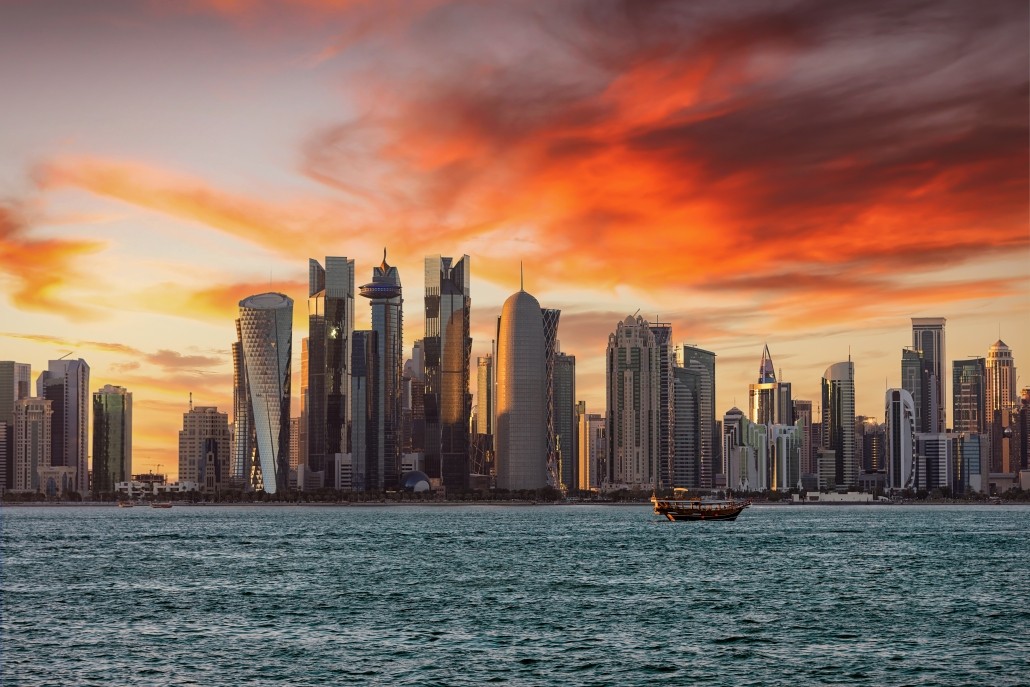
x,y
589,595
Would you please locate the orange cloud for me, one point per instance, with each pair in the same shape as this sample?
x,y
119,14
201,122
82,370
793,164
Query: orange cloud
x,y
39,269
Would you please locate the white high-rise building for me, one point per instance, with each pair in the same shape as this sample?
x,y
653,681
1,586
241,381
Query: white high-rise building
x,y
900,411
633,368
265,348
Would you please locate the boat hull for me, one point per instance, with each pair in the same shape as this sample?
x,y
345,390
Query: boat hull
x,y
699,510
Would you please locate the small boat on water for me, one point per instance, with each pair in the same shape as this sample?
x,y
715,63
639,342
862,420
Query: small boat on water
x,y
698,509
125,504
161,504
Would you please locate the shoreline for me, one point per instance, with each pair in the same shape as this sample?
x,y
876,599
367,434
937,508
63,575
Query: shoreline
x,y
494,504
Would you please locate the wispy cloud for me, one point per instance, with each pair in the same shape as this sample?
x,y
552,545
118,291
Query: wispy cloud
x,y
39,269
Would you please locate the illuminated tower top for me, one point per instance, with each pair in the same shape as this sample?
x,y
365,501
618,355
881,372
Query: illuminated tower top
x,y
766,371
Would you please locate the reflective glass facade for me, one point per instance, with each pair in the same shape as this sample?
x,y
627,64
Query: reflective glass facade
x,y
112,438
928,337
564,419
711,453
447,348
838,389
325,399
364,377
388,322
969,386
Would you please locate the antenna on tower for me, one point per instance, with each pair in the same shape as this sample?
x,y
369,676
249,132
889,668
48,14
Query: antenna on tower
x,y
191,401
66,355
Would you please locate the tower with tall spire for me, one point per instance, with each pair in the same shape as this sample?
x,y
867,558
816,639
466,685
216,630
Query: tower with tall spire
x,y
387,321
769,401
521,413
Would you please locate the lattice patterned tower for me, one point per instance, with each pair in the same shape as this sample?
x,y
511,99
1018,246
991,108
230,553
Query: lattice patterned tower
x,y
266,335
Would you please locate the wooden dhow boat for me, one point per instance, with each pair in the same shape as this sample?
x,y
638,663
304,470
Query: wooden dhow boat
x,y
698,509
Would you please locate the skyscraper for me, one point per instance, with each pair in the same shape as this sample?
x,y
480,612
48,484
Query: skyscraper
x,y
265,328
485,394
550,318
969,386
326,408
520,434
1001,378
566,439
900,419
32,442
809,442
710,456
838,389
388,323
919,380
204,444
632,381
1002,410
416,372
112,438
65,383
367,461
769,401
447,346
242,448
666,360
928,337
688,466
15,384
591,446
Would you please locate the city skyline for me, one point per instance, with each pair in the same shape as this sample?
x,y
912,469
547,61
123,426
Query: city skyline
x,y
714,185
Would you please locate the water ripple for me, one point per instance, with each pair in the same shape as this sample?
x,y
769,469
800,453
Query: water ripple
x,y
585,595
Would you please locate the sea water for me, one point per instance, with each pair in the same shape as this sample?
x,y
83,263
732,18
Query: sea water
x,y
535,595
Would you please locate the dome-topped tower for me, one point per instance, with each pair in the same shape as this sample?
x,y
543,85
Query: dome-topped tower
x,y
1001,378
521,391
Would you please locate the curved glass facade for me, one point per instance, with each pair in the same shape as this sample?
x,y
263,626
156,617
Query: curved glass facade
x,y
266,331
521,395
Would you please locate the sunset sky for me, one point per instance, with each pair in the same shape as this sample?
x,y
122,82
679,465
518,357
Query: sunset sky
x,y
809,175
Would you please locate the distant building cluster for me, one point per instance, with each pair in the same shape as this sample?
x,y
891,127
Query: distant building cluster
x,y
44,437
372,421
